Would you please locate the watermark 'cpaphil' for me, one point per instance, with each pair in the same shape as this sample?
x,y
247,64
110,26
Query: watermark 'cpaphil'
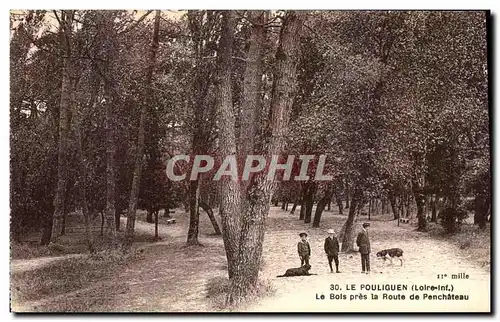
x,y
300,168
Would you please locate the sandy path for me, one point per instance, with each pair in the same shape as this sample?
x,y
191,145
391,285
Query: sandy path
x,y
173,278
425,259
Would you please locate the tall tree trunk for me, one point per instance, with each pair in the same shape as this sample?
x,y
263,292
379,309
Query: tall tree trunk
x,y
309,201
294,206
252,83
157,237
194,213
303,193
230,190
117,218
434,206
64,106
110,172
418,188
251,235
134,192
392,200
321,205
481,206
211,216
338,198
149,215
83,185
348,237
198,22
347,195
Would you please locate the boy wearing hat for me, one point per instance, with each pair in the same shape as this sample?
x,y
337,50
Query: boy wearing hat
x,y
332,249
363,242
304,249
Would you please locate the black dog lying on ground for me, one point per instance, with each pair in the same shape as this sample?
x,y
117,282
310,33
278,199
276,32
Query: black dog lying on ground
x,y
390,254
300,271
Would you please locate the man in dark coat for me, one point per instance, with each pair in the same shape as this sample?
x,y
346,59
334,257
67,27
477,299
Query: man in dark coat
x,y
332,249
304,249
363,242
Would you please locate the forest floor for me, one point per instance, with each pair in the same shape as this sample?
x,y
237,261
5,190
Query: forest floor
x,y
166,276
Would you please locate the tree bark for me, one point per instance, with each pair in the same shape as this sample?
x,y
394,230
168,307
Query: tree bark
x,y
321,205
434,208
83,186
110,171
348,237
211,216
149,216
347,197
309,201
392,200
418,189
294,207
194,213
252,83
134,192
250,236
157,237
64,106
230,190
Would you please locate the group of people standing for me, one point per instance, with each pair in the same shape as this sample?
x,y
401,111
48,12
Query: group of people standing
x,y
332,249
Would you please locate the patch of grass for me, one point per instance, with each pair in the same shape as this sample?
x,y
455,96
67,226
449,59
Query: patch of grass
x,y
471,241
66,275
218,287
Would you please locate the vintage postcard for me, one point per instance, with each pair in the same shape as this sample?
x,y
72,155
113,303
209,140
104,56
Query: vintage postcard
x,y
250,161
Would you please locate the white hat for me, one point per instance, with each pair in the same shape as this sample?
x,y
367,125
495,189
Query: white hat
x,y
331,231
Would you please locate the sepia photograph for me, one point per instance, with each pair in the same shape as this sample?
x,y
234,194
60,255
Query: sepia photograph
x,y
256,161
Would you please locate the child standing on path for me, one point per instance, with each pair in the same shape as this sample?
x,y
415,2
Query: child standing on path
x,y
304,249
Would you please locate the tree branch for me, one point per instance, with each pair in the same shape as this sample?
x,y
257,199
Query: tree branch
x,y
136,23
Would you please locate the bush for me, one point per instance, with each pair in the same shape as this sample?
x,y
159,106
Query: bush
x,y
451,219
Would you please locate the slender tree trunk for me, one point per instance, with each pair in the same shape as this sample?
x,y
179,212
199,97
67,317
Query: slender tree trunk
x,y
481,206
211,216
157,237
348,237
392,200
64,106
338,200
347,198
294,206
418,189
303,193
149,215
309,201
321,206
110,172
252,84
434,211
83,186
134,192
117,218
46,232
63,225
370,209
194,213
